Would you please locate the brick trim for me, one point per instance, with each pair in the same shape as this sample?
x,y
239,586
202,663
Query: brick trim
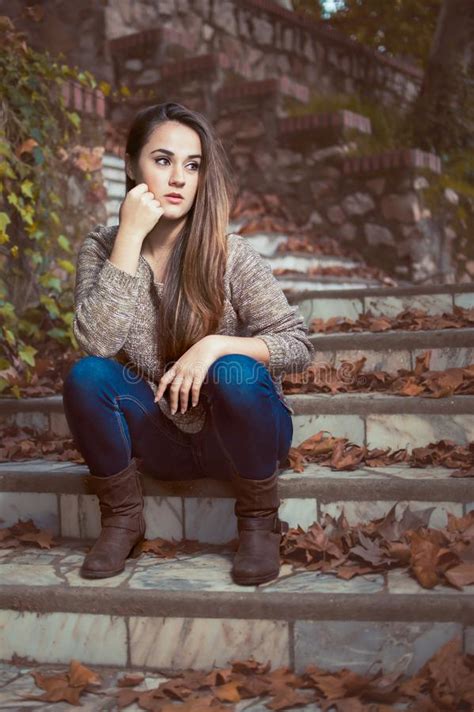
x,y
283,85
400,158
343,119
83,99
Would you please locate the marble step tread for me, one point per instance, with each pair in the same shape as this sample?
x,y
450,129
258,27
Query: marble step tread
x,y
299,284
187,612
460,293
363,484
394,339
359,403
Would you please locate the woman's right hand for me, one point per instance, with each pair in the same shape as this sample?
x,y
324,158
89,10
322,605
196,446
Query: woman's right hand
x,y
139,211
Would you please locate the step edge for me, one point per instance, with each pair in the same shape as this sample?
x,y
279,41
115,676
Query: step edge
x,y
255,605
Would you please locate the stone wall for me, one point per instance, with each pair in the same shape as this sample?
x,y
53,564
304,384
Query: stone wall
x,y
263,36
265,39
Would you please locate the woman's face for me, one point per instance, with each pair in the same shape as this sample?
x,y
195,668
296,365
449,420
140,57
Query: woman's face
x,y
170,163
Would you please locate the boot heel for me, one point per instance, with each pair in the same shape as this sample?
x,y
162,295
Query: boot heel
x,y
136,550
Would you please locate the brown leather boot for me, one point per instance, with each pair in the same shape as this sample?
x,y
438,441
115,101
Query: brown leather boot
x,y
123,525
260,530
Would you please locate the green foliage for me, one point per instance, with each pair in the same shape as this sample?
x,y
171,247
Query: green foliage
x,y
399,27
36,133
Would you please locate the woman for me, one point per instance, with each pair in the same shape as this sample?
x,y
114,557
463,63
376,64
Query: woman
x,y
168,287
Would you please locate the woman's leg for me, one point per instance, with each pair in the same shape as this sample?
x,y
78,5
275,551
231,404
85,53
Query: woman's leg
x,y
254,429
113,418
249,429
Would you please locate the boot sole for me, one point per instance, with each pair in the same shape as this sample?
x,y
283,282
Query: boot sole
x,y
255,580
133,554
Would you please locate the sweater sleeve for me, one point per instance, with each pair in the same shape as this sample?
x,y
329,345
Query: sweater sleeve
x,y
104,296
263,309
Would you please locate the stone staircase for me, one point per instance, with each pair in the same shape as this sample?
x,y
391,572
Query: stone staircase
x,y
186,611
317,162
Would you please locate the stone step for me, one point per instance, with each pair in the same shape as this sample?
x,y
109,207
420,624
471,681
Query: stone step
x,y
186,612
386,301
56,495
395,349
303,262
371,419
298,285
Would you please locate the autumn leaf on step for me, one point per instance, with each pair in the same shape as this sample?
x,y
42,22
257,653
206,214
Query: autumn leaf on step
x,y
318,444
414,519
286,697
130,680
43,538
370,551
380,323
461,575
197,703
347,457
410,388
67,686
25,531
229,692
424,556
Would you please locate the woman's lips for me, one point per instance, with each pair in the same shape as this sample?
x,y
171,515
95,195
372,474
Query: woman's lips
x,y
173,198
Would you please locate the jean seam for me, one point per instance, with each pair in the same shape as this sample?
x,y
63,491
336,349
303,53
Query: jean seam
x,y
154,421
124,437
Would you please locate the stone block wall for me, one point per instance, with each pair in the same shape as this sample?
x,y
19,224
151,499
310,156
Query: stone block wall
x,y
259,36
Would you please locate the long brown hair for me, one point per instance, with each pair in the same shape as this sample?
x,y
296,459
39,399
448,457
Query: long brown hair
x,y
193,294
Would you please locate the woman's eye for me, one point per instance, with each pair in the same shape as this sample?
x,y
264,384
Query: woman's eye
x,y
156,160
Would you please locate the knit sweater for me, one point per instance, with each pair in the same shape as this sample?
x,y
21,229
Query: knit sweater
x,y
116,315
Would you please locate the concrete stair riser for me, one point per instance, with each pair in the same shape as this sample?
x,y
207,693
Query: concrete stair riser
x,y
397,349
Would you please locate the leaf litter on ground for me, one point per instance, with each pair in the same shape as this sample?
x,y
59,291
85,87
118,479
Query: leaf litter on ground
x,y
445,682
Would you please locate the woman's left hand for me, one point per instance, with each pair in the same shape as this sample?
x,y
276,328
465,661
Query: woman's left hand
x,y
189,372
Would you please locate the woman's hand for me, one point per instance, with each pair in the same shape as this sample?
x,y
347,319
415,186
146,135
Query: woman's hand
x,y
189,372
139,211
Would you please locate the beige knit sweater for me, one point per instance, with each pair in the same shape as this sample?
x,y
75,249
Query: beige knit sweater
x,y
116,314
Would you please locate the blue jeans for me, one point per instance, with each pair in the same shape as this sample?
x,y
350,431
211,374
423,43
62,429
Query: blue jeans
x,y
112,415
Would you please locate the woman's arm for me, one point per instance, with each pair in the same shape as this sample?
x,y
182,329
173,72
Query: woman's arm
x,y
264,311
105,292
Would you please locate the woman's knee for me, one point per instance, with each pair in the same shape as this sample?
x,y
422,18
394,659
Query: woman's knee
x,y
88,371
236,376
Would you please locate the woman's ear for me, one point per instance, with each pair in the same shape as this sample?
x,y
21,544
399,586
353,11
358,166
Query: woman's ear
x,y
128,167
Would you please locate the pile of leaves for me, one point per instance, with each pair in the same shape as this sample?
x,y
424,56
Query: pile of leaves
x,y
432,556
341,455
25,532
407,320
444,682
350,377
25,443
